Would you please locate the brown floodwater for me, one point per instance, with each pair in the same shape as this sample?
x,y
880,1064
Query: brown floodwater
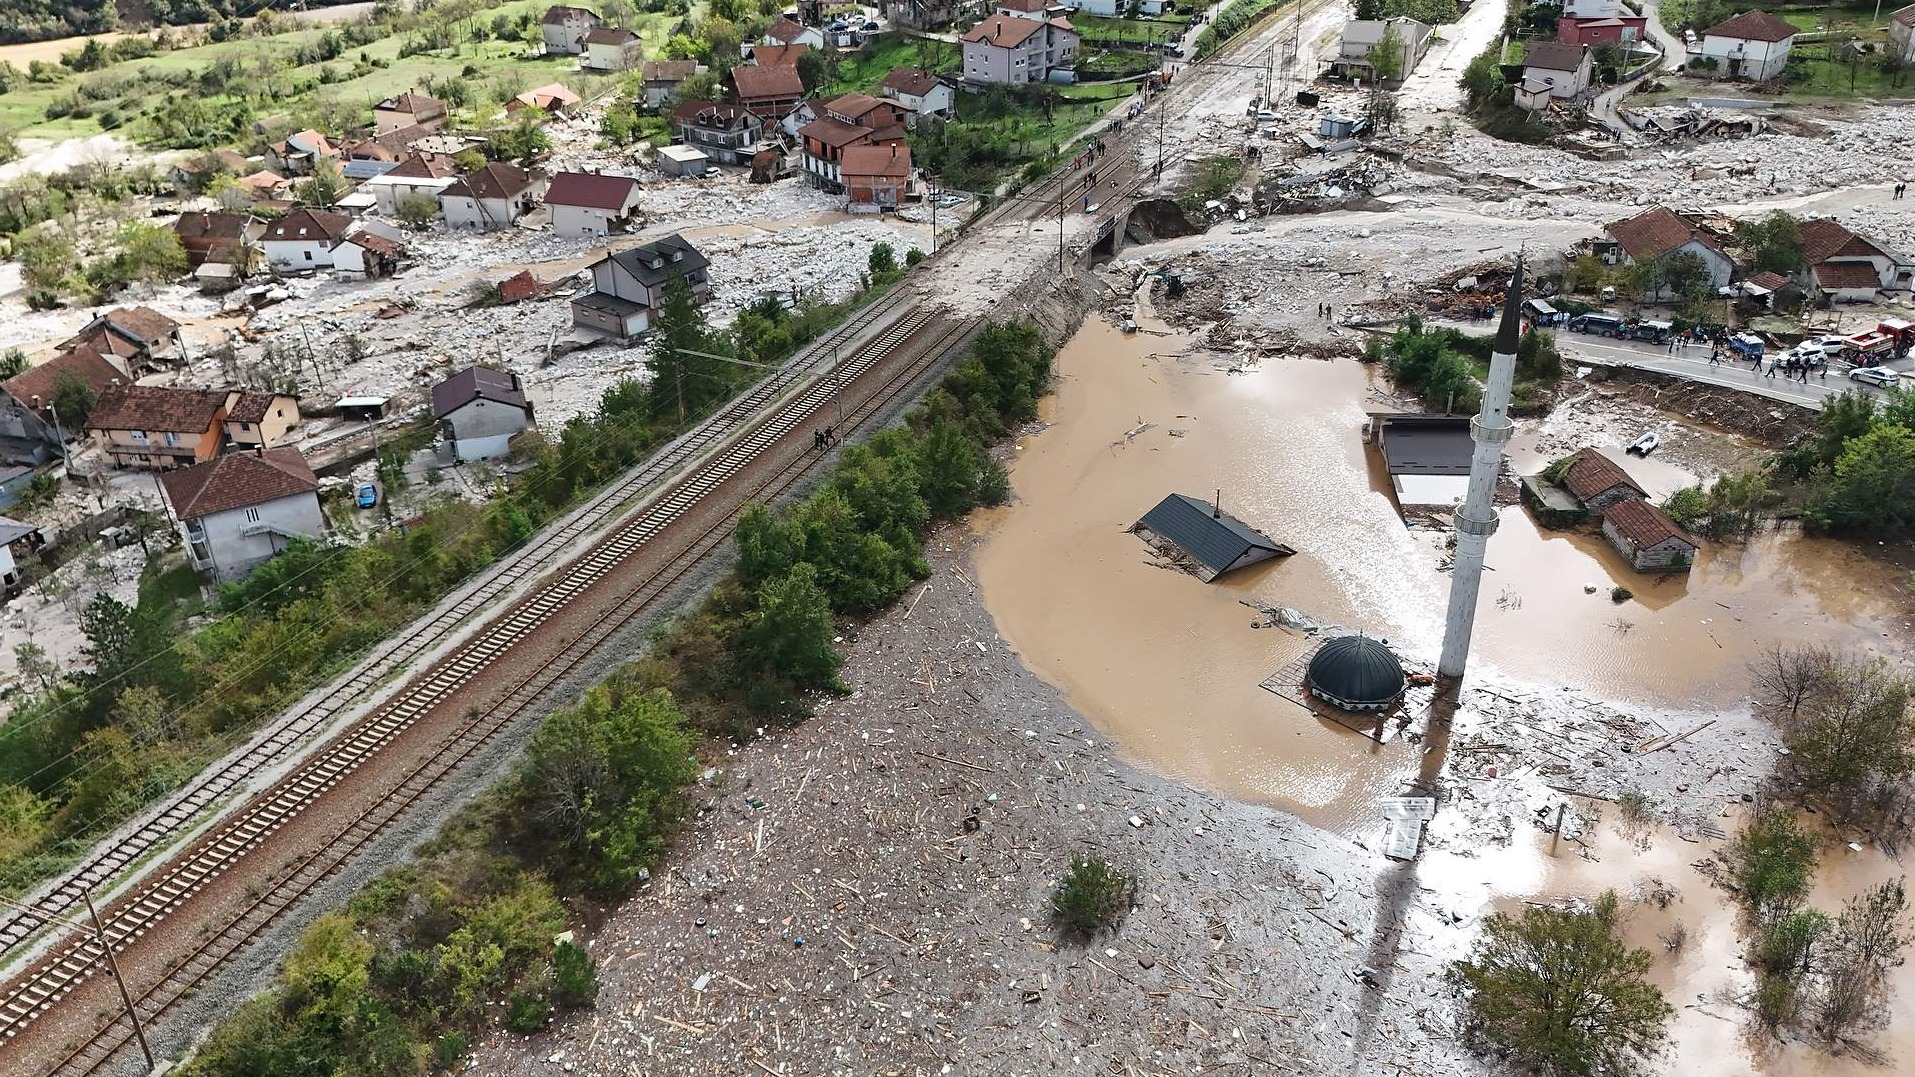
x,y
1169,667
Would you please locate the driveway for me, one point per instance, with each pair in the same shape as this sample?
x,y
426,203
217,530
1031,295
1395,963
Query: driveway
x,y
1674,52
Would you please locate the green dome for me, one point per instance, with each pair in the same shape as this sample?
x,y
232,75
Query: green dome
x,y
1356,673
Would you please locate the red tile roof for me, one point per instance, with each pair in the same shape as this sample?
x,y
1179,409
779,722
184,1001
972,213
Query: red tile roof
x,y
519,287
1593,473
910,81
423,166
1771,281
590,190
1904,16
211,227
558,13
1655,232
42,381
1644,524
417,105
309,224
778,55
1003,31
377,243
834,132
1023,5
668,70
767,83
610,35
1753,26
249,407
712,115
495,180
156,407
1554,56
144,324
238,480
784,30
1823,239
888,162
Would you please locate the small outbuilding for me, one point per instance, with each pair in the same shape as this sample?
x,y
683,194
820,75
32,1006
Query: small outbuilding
x,y
1427,456
1356,673
1599,482
1648,538
682,161
1214,541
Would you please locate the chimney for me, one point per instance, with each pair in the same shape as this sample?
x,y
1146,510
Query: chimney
x,y
1216,507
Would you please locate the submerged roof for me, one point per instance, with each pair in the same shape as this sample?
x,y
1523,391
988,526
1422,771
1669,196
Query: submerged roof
x,y
1356,671
1214,539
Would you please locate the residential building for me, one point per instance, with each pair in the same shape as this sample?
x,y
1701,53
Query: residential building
x,y
662,78
771,92
1015,51
495,196
591,203
256,420
264,185
131,338
1901,34
876,178
610,48
408,109
928,14
229,238
777,55
304,239
920,92
884,116
1039,10
156,428
1843,267
300,152
787,32
1624,30
243,508
564,28
367,254
844,121
1427,456
1658,233
552,99
30,425
1213,541
1556,70
628,286
1356,57
379,154
1753,45
1599,482
1591,9
726,133
480,411
17,540
1647,538
420,175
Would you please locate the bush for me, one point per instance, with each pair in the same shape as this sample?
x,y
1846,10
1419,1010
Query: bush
x,y
1772,861
1092,896
574,976
1620,594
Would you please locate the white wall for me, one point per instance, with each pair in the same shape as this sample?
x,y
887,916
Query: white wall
x,y
482,428
229,544
1760,60
581,221
297,254
464,212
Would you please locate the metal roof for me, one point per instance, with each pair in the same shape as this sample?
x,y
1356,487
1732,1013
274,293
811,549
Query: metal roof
x,y
1356,673
1216,540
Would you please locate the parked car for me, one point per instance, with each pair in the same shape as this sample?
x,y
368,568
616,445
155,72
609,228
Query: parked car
x,y
1832,347
1802,355
1656,332
1746,345
367,496
1602,325
1875,375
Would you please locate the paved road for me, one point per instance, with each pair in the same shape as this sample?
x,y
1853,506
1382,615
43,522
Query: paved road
x,y
1674,52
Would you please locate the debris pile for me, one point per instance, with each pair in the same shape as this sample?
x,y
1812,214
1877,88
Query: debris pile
x,y
1665,123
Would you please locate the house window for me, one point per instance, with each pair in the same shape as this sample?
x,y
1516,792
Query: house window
x,y
172,439
245,426
252,515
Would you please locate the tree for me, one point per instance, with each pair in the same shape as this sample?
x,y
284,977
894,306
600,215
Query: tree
x,y
681,380
1871,486
13,361
417,211
1560,988
789,634
148,252
323,188
1386,56
1772,861
1537,357
48,262
703,86
73,400
814,70
1483,80
882,261
524,143
468,161
1092,895
1852,740
1685,273
1866,943
1774,242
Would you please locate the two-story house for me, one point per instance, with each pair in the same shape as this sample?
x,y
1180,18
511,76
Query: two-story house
x,y
770,92
591,203
495,196
157,428
1553,71
1657,233
628,286
243,508
725,133
408,109
31,426
844,121
1015,51
256,420
552,99
661,79
564,28
920,92
300,152
304,239
1356,52
419,176
131,338
224,238
480,411
787,32
1753,45
876,178
611,48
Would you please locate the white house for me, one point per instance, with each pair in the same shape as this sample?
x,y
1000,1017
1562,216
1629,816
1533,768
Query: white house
x,y
304,239
480,411
564,28
400,111
1560,71
610,48
1015,51
1362,36
1753,45
629,285
1592,9
662,78
495,196
422,175
368,254
240,509
591,203
787,32
1846,267
1901,34
919,91
1658,233
14,534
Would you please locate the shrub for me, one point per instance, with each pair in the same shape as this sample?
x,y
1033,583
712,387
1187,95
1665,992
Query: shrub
x,y
1772,861
574,976
1620,594
1092,896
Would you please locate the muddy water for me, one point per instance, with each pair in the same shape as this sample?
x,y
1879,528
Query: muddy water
x,y
1170,667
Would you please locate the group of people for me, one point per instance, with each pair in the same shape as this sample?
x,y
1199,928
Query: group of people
x,y
823,439
1325,311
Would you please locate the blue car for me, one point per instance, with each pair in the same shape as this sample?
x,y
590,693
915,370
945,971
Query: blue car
x,y
368,496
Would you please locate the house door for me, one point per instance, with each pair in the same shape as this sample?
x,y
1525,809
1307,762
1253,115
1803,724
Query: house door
x,y
1735,68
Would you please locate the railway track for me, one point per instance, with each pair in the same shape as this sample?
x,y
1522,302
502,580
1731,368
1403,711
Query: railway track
x,y
185,808
921,337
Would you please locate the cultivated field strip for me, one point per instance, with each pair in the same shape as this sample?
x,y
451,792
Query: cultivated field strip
x,y
75,961
183,809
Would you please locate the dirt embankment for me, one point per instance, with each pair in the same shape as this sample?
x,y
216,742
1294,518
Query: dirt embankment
x,y
1758,418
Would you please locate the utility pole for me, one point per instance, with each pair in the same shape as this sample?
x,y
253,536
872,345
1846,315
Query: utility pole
x,y
98,931
1161,112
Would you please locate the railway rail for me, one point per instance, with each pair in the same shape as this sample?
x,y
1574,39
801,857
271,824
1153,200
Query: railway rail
x,y
899,358
186,808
